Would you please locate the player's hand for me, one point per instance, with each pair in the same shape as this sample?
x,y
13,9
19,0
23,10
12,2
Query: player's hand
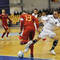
x,y
20,33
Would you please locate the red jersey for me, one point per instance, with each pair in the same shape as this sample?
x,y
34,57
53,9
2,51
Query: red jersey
x,y
28,20
4,19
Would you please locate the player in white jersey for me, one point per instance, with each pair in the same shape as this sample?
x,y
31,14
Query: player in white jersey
x,y
35,14
53,21
43,18
49,27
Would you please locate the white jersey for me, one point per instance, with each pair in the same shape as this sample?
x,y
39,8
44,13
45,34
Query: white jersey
x,y
35,15
44,18
49,27
52,22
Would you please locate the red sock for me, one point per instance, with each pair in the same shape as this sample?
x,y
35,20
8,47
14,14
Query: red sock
x,y
7,34
31,50
44,39
3,34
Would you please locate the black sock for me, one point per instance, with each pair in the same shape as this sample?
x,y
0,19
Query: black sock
x,y
34,41
54,44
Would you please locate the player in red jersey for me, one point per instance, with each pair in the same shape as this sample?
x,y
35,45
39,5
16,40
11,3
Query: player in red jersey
x,y
4,18
28,29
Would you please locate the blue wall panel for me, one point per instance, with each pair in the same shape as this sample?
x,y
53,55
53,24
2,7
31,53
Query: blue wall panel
x,y
4,4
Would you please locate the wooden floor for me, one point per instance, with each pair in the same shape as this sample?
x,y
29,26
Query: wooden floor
x,y
41,49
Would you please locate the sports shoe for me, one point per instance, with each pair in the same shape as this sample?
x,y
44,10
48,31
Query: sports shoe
x,y
53,52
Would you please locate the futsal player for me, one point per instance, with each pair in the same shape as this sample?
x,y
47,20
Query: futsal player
x,y
4,18
48,30
28,29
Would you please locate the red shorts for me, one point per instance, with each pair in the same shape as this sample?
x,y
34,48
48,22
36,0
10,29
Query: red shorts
x,y
28,33
5,27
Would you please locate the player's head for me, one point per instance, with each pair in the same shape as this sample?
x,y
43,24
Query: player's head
x,y
35,11
55,14
43,13
3,10
23,12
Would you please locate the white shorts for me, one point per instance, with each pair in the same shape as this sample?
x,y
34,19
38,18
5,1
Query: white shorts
x,y
45,33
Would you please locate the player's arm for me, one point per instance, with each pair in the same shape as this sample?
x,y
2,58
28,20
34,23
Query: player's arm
x,y
9,19
42,21
21,22
37,22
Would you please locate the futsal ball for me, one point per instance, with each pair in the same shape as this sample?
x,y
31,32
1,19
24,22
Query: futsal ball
x,y
20,54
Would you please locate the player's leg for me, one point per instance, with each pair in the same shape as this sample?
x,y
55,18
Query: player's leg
x,y
25,35
31,43
31,50
42,36
24,40
55,42
4,32
7,31
31,36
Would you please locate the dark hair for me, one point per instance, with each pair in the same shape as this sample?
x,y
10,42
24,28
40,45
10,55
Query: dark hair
x,y
23,12
56,11
36,9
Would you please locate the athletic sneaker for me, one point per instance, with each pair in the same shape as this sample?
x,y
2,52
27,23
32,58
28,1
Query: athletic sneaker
x,y
53,52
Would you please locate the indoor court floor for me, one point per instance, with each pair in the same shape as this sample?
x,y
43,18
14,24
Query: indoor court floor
x,y
9,48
